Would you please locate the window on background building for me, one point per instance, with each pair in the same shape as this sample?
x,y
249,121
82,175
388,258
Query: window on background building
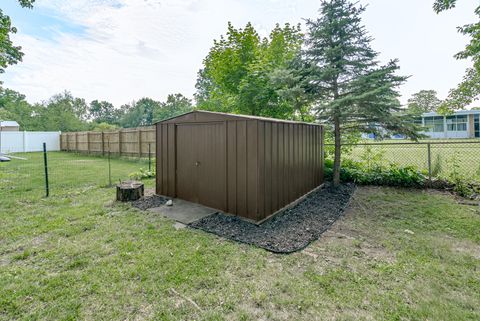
x,y
462,123
477,125
457,123
434,124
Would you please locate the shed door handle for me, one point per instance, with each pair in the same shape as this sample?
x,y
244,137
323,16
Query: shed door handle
x,y
197,163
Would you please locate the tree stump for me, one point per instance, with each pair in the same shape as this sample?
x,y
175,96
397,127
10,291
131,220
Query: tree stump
x,y
129,191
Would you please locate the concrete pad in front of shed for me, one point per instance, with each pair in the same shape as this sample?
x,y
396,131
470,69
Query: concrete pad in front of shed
x,y
184,212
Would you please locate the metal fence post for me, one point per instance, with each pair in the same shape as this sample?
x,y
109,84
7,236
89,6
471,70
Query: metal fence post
x,y
45,163
429,155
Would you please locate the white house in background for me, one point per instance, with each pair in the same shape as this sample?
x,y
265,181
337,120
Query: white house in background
x,y
9,126
460,124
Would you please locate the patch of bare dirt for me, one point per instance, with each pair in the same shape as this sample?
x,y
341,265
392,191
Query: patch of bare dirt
x,y
352,237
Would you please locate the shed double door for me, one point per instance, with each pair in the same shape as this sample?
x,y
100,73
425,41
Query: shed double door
x,y
201,164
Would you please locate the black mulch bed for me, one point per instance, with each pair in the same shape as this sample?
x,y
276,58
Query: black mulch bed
x,y
287,232
149,202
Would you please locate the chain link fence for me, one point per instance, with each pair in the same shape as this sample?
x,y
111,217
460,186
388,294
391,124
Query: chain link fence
x,y
39,174
435,159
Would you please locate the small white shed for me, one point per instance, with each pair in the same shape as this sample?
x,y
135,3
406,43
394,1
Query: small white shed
x,y
9,126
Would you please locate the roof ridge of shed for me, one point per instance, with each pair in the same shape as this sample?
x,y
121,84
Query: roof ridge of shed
x,y
271,119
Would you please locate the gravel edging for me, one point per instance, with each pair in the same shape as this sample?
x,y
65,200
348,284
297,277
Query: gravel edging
x,y
289,231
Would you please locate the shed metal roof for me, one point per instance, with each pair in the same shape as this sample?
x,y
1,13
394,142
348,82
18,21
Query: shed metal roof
x,y
240,117
8,123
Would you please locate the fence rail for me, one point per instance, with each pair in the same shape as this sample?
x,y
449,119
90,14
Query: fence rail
x,y
132,142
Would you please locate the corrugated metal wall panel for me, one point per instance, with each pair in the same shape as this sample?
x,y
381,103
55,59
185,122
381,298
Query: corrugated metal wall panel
x,y
252,169
281,165
242,168
268,168
158,160
290,163
171,159
164,155
275,172
232,162
261,169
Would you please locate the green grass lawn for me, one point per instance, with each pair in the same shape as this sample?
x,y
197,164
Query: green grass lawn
x,y
397,254
26,179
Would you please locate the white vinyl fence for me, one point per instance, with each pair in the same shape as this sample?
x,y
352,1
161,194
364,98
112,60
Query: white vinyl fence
x,y
23,142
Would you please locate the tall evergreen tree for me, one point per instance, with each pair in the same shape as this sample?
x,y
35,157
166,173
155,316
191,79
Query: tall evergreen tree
x,y
351,90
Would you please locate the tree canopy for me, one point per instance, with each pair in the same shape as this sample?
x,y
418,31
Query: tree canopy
x,y
104,112
10,54
64,112
237,72
147,111
468,90
441,5
13,106
423,102
175,105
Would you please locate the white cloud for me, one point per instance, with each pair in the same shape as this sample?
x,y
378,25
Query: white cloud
x,y
136,48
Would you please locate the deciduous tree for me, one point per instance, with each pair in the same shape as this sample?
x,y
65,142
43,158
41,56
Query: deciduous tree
x,y
104,112
236,76
10,54
468,90
176,104
13,106
423,102
139,113
62,112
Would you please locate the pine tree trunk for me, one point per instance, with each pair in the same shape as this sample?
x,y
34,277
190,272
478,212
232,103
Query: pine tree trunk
x,y
336,163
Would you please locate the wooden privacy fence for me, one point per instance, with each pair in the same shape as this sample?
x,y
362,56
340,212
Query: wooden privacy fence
x,y
132,142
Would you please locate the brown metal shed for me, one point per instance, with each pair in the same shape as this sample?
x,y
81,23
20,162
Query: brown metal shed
x,y
243,165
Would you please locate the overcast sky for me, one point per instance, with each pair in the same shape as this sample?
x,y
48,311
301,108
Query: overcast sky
x,y
123,50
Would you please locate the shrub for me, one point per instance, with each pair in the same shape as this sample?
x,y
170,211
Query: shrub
x,y
142,174
372,170
391,175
